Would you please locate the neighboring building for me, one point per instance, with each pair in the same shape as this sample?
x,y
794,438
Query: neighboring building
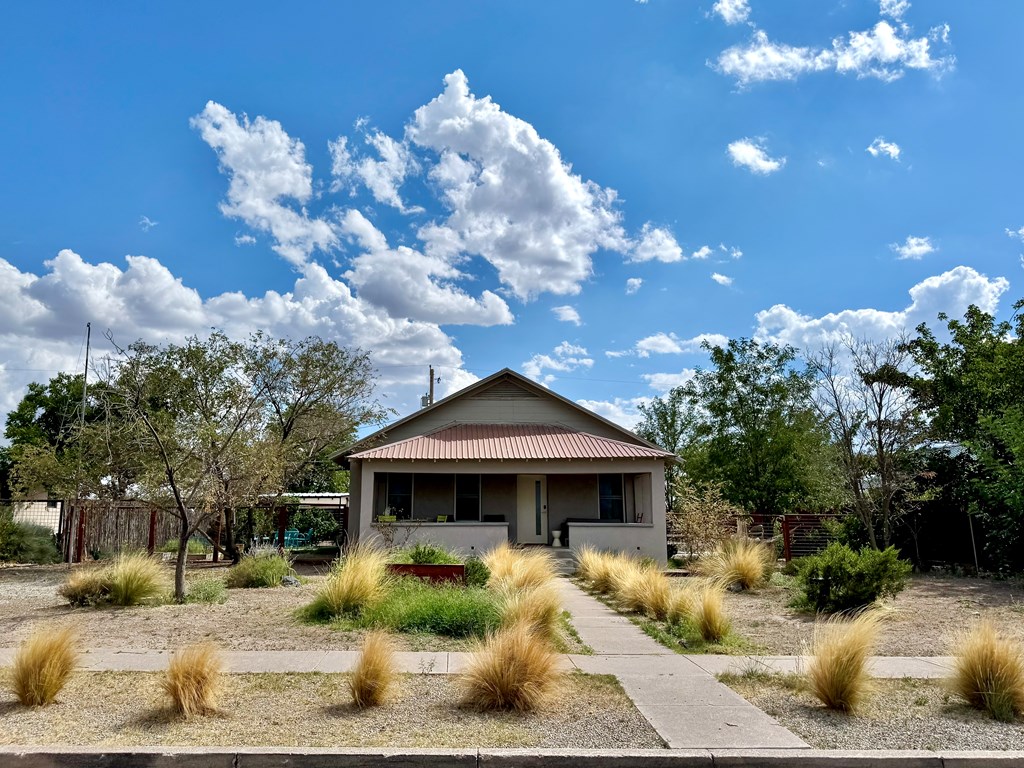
x,y
508,460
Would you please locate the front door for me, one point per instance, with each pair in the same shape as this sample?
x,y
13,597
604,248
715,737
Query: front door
x,y
532,518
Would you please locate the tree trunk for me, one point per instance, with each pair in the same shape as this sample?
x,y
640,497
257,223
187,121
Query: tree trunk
x,y
179,564
229,535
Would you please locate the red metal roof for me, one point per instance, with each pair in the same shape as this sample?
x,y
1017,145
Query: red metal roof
x,y
509,441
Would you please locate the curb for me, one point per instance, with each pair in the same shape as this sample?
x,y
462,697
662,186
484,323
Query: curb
x,y
273,757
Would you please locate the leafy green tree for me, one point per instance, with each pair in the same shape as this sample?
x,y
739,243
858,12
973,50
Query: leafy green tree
x,y
669,422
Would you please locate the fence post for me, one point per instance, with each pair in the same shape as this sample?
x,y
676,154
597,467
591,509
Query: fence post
x,y
80,544
787,543
151,546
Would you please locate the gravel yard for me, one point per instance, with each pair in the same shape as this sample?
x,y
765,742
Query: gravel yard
x,y
902,714
314,710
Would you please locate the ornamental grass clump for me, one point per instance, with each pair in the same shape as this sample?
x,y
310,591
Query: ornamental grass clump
x,y
42,666
642,589
135,578
741,560
258,570
837,673
357,581
705,609
596,568
374,672
512,670
193,680
988,672
85,585
514,568
538,609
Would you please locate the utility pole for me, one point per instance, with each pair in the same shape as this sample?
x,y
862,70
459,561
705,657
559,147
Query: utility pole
x,y
430,392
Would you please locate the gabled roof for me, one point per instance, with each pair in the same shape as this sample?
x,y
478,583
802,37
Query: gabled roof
x,y
510,377
477,442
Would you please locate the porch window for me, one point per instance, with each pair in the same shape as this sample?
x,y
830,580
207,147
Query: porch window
x,y
467,497
609,492
400,494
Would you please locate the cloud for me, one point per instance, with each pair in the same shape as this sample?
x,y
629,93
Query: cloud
x,y
1018,233
510,196
951,292
245,240
407,283
622,411
656,244
882,147
721,279
663,382
567,314
662,343
701,253
147,223
633,285
894,9
732,11
383,176
883,52
266,167
751,154
913,247
43,318
565,358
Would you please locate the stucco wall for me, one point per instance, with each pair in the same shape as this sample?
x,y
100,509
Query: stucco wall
x,y
639,539
468,539
498,497
571,496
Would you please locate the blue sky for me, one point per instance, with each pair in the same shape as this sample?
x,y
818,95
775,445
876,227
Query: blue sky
x,y
581,191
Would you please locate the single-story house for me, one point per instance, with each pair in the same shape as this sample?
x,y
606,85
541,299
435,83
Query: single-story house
x,y
506,459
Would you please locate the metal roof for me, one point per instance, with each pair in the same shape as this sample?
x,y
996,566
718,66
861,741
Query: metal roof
x,y
476,442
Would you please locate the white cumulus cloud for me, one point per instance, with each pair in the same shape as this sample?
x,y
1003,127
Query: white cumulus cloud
x,y
564,358
732,11
623,411
913,247
663,382
567,314
894,9
657,244
721,279
382,175
752,155
880,147
1016,233
633,285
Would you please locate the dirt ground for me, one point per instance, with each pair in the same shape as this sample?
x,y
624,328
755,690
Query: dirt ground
x,y
923,620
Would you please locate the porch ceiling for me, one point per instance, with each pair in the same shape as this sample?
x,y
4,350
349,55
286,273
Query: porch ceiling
x,y
509,442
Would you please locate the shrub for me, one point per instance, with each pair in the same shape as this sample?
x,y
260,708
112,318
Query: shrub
x,y
355,582
133,579
424,553
207,591
85,585
412,605
477,573
261,569
989,672
42,666
374,672
193,679
837,672
839,579
195,546
26,542
705,608
741,560
515,568
513,669
539,609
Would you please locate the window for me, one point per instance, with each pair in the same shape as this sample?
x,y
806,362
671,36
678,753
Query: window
x,y
400,494
609,493
467,497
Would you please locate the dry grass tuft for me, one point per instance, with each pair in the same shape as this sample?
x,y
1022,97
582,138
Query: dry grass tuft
x,y
85,585
374,672
706,610
43,665
193,679
837,672
989,672
357,581
517,569
743,561
539,609
135,578
513,669
596,567
641,588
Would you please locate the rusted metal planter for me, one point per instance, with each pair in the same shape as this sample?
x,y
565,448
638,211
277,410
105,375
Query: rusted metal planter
x,y
431,573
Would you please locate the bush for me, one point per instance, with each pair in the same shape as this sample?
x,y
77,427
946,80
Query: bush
x,y
193,679
258,570
743,561
412,605
42,666
26,542
207,591
477,573
355,583
839,579
134,578
85,585
424,553
837,672
513,669
374,671
989,672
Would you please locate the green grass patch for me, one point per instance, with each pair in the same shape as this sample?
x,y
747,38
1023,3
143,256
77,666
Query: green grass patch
x,y
570,632
210,591
424,553
263,569
686,638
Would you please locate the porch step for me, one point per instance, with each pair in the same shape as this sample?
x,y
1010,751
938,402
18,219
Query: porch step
x,y
565,563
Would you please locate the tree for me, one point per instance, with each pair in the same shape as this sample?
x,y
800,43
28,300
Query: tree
x,y
757,432
862,396
669,422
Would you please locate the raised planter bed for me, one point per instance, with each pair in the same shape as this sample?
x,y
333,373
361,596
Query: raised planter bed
x,y
431,573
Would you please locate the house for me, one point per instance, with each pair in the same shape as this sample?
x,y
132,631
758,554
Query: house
x,y
506,459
